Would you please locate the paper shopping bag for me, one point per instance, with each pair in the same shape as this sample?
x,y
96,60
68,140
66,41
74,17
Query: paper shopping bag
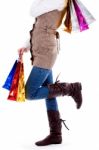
x,y
8,82
21,85
14,86
78,17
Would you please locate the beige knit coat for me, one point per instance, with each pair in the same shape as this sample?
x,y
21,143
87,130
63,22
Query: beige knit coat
x,y
43,39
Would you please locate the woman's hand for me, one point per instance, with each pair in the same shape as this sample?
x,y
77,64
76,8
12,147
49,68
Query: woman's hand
x,y
21,51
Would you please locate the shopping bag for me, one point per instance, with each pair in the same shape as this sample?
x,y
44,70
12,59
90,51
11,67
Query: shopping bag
x,y
17,91
78,17
14,86
21,85
8,82
68,23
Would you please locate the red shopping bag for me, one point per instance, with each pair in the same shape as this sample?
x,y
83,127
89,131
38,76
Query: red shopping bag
x,y
17,91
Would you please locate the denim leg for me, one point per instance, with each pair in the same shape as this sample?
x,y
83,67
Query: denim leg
x,y
34,88
51,104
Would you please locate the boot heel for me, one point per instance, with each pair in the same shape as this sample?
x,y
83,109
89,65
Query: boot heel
x,y
75,92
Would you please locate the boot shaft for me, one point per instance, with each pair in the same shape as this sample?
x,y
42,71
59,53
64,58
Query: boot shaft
x,y
69,89
55,136
54,122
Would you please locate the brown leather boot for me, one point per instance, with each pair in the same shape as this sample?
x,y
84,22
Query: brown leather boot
x,y
70,89
55,136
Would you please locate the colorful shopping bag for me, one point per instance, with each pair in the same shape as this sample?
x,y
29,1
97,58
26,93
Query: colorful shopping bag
x,y
14,85
8,82
21,85
83,25
68,22
78,17
17,91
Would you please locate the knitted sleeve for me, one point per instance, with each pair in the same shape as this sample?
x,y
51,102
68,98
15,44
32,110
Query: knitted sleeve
x,y
44,6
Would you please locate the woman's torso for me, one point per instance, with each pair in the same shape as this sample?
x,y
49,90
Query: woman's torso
x,y
44,42
44,32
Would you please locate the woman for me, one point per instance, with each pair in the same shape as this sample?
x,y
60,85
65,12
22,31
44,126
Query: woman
x,y
43,46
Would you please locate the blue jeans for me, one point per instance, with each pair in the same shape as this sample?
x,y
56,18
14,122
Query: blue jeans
x,y
36,86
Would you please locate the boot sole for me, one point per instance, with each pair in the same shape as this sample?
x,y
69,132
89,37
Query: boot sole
x,y
48,144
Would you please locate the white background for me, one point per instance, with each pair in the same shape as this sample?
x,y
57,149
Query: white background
x,y
21,124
